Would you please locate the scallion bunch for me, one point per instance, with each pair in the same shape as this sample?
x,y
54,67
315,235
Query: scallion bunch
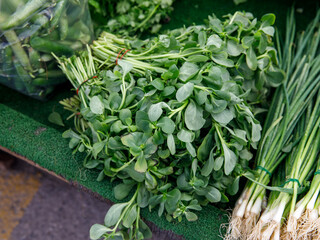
x,y
294,108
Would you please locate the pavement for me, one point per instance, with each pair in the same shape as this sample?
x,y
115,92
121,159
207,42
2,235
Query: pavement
x,y
35,205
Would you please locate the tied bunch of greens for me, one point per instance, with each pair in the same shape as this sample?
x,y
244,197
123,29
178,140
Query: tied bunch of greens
x,y
129,17
288,151
170,119
29,31
240,47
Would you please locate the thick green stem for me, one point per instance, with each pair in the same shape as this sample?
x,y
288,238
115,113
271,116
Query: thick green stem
x,y
19,52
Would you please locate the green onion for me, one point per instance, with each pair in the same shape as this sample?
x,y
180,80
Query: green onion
x,y
289,103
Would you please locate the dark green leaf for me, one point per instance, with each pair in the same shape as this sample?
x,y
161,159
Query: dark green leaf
x,y
219,106
197,58
126,66
171,144
113,214
223,117
122,190
97,231
214,40
234,49
101,176
173,197
141,164
55,118
251,59
158,84
145,230
97,148
202,38
115,143
70,134
206,146
194,117
191,217
91,163
172,73
234,187
268,30
130,217
124,115
247,41
263,43
275,76
213,194
191,149
230,159
155,111
166,125
151,182
143,197
201,96
164,153
268,19
184,91
218,162
114,100
245,154
158,137
216,25
137,176
208,166
186,136
96,105
222,59
168,90
143,122
117,127
188,71
133,139
166,171
149,147
182,182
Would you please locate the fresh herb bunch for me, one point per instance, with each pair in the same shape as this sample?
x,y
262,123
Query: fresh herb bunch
x,y
240,46
170,119
130,17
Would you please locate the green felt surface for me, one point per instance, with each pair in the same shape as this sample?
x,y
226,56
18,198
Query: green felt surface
x,y
26,130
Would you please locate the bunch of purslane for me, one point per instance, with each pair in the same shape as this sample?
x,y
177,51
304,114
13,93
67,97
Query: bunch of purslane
x,y
290,139
172,120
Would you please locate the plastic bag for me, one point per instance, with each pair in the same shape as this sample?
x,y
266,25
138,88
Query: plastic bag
x,y
30,31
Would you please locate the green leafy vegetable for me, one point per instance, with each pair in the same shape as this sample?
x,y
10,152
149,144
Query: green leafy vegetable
x,y
174,117
128,17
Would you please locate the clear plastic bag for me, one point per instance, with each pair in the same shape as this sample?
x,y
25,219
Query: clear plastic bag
x,y
30,31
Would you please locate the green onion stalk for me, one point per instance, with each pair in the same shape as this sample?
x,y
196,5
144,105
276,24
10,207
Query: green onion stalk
x,y
306,213
301,161
298,59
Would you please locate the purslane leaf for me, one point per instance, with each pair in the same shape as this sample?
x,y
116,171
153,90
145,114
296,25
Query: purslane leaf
x,y
188,71
184,91
98,230
96,105
194,116
113,214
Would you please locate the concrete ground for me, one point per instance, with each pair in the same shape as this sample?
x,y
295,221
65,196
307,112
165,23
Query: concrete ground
x,y
35,205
